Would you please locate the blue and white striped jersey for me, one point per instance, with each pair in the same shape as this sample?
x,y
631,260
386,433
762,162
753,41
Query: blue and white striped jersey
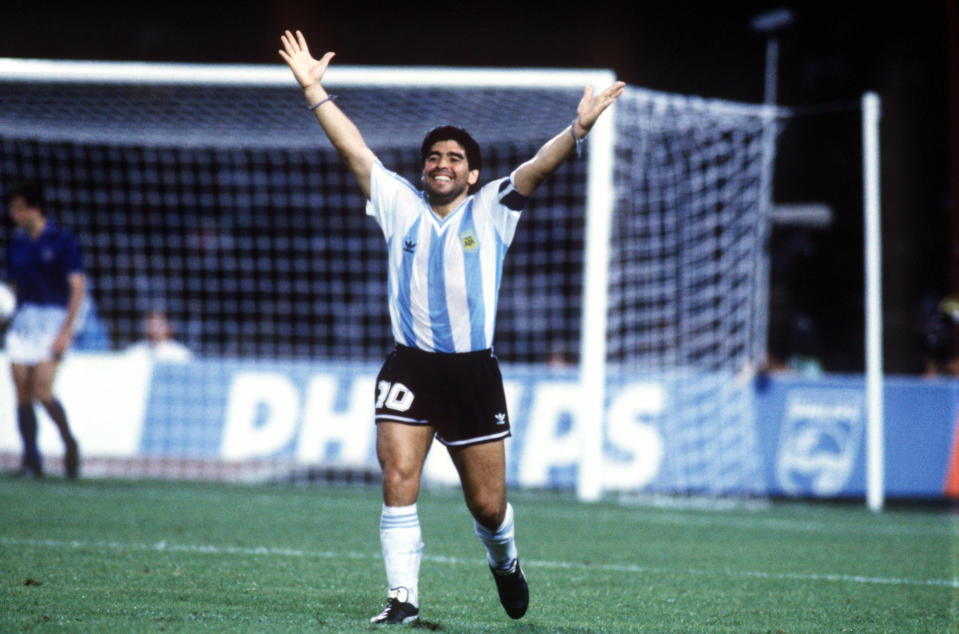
x,y
444,274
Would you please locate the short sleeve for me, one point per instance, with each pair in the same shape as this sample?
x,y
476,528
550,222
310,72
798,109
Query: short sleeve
x,y
391,195
505,205
73,261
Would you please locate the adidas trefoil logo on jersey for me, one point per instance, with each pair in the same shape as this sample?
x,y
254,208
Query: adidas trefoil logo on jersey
x,y
409,246
501,418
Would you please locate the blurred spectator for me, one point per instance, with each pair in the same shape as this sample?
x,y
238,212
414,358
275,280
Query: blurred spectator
x,y
803,358
560,356
794,349
158,343
937,335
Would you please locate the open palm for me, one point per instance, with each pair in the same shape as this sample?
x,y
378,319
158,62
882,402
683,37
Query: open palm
x,y
295,52
590,107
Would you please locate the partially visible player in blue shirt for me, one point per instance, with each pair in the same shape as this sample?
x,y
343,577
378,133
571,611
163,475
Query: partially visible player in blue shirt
x,y
446,247
45,269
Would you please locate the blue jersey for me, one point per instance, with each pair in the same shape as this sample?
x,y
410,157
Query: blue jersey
x,y
444,273
40,268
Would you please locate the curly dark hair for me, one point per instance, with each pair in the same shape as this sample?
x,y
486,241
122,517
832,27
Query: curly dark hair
x,y
451,133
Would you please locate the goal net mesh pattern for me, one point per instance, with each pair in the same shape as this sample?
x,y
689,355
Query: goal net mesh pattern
x,y
226,207
684,277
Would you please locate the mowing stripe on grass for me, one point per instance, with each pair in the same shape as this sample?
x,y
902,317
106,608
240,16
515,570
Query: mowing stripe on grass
x,y
163,546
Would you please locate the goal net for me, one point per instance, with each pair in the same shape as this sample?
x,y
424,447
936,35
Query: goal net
x,y
686,283
210,193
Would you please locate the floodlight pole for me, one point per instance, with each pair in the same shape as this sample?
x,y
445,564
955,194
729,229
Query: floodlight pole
x,y
772,70
768,24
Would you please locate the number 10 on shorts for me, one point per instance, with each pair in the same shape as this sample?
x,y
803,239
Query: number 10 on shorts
x,y
394,396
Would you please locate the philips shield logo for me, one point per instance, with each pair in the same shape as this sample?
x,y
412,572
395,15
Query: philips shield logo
x,y
820,441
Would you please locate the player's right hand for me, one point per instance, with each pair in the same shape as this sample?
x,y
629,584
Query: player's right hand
x,y
307,70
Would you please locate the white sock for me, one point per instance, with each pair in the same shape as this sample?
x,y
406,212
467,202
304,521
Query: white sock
x,y
501,544
402,544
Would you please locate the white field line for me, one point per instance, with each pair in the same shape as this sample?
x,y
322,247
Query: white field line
x,y
209,549
947,528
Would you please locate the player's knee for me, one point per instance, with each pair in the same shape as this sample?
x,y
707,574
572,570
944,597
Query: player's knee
x,y
488,511
24,395
42,394
400,477
396,478
400,468
24,391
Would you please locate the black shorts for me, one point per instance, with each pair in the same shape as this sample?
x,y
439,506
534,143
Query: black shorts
x,y
460,395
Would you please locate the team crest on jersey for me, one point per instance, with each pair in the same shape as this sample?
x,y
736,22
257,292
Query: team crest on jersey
x,y
468,238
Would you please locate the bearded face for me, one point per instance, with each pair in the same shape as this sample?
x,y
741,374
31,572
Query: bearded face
x,y
446,173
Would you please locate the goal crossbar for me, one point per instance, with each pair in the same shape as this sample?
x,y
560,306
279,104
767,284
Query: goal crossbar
x,y
276,75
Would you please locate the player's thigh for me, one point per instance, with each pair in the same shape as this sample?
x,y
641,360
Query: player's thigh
x,y
44,374
401,450
399,444
482,471
22,381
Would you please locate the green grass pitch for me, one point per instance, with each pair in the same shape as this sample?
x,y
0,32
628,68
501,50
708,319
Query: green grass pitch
x,y
135,556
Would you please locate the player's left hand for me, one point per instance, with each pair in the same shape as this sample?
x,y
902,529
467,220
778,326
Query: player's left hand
x,y
590,107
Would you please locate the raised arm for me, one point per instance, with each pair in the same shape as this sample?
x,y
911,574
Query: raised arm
x,y
547,160
343,134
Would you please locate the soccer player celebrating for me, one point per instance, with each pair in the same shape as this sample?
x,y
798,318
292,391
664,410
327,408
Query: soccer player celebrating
x,y
446,248
45,270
